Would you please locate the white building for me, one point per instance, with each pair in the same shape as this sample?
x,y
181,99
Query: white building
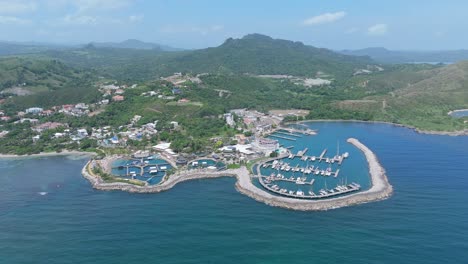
x,y
34,110
229,119
82,133
265,145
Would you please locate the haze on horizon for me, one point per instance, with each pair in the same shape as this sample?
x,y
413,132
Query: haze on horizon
x,y
397,25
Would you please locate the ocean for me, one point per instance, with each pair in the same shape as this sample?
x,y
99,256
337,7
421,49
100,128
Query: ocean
x,y
50,214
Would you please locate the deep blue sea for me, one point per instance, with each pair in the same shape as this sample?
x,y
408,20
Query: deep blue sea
x,y
207,221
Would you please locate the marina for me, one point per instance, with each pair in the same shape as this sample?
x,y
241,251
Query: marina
x,y
149,169
305,175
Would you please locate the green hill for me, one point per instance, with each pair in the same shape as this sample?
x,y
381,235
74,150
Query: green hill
x,y
32,82
421,98
259,54
253,54
35,75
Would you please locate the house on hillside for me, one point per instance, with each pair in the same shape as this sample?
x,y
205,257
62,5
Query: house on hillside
x,y
118,98
34,110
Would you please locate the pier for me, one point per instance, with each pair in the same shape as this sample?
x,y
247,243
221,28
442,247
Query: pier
x,y
324,193
287,134
302,153
140,167
308,131
323,154
336,173
282,137
289,180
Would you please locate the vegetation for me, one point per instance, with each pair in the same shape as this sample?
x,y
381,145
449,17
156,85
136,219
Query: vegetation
x,y
110,178
254,54
416,95
35,82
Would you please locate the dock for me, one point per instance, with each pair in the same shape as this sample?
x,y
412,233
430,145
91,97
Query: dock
x,y
336,173
307,131
321,155
140,167
329,193
288,134
289,180
302,152
282,137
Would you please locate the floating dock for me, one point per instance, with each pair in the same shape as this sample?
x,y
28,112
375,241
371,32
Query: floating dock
x,y
302,152
321,155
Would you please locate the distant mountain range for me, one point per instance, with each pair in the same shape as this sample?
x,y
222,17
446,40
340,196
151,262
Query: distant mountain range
x,y
16,48
252,54
384,55
134,44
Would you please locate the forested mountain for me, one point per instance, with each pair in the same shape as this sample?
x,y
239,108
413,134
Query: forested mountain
x,y
390,56
253,54
259,54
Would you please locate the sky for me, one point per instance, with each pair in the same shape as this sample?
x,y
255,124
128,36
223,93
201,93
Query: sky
x,y
333,24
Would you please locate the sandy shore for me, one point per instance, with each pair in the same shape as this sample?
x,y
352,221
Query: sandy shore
x,y
417,130
48,154
381,189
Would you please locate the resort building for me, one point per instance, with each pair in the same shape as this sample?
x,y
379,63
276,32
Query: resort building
x,y
265,145
34,110
82,133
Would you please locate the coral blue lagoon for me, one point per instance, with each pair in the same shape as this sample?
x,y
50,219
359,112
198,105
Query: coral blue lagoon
x,y
50,214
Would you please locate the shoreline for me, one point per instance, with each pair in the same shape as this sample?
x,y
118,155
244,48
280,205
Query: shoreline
x,y
415,129
456,111
380,189
48,154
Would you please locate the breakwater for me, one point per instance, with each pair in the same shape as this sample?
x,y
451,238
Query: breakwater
x,y
380,189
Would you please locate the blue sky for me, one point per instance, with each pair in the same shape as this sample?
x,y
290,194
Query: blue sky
x,y
334,24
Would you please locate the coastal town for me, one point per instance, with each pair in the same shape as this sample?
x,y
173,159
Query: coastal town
x,y
140,153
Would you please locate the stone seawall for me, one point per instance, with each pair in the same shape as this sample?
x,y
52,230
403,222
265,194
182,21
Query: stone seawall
x,y
381,189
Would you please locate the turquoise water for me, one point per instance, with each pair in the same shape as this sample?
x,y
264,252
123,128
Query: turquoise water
x,y
207,221
152,179
460,114
353,169
203,163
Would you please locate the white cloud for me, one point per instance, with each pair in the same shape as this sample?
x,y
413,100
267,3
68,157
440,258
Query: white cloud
x,y
324,18
378,29
135,18
10,20
17,7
